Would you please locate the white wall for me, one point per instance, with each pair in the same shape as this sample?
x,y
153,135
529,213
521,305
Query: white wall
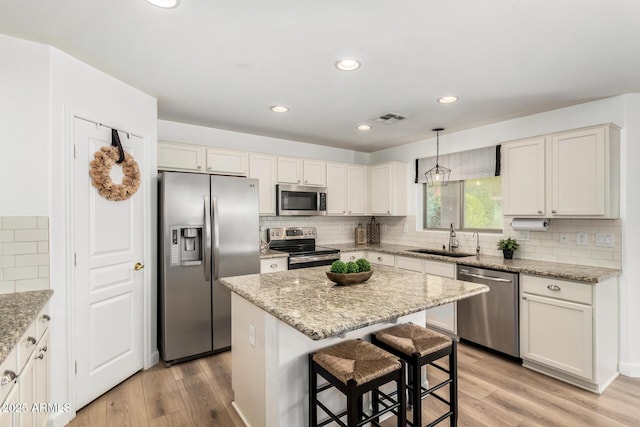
x,y
24,125
192,134
623,111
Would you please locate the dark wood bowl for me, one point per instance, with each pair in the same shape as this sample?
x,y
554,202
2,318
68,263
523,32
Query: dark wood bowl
x,y
350,278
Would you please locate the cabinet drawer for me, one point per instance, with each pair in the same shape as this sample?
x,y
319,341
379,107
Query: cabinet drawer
x,y
559,289
26,346
271,265
411,264
437,268
380,258
42,322
351,256
8,370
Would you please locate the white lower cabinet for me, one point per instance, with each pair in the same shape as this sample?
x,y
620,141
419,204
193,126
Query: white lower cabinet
x,y
381,258
24,398
569,330
271,265
444,316
351,256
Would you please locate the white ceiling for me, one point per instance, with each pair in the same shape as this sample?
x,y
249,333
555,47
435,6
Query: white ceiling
x,y
224,63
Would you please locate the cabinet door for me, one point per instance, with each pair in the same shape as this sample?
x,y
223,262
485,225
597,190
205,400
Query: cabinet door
x,y
410,264
443,317
380,258
263,168
356,190
336,189
227,162
180,157
579,173
8,418
381,189
289,170
523,177
41,380
314,173
26,384
557,333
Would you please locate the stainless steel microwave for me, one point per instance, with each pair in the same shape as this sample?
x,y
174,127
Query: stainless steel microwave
x,y
300,200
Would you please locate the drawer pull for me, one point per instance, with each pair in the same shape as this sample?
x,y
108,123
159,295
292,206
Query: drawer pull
x,y
46,317
40,356
7,377
44,348
379,258
352,257
273,265
554,288
30,341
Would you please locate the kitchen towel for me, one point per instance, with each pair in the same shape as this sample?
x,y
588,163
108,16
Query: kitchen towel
x,y
530,224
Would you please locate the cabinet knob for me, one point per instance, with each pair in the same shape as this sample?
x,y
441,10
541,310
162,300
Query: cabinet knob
x,y
555,288
388,212
7,377
40,356
553,211
352,257
44,348
46,317
343,211
199,167
524,297
349,211
539,212
30,341
273,265
305,181
379,258
209,168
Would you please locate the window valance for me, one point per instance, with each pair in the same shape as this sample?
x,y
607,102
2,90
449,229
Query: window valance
x,y
478,163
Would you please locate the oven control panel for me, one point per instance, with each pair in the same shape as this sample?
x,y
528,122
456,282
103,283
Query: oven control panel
x,y
291,233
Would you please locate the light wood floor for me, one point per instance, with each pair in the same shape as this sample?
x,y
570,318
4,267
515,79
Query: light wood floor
x,y
493,391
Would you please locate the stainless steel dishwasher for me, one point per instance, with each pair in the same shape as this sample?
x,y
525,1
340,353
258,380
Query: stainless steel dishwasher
x,y
490,319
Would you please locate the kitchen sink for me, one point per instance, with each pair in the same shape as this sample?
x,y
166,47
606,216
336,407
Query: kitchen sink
x,y
440,252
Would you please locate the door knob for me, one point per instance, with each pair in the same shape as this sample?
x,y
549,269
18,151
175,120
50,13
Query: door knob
x,y
139,266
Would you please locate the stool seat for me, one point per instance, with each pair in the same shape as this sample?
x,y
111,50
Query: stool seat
x,y
356,360
410,338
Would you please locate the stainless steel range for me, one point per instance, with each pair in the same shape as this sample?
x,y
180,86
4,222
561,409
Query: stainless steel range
x,y
300,243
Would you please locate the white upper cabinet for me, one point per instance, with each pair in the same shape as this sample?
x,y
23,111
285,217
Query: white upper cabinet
x,y
314,172
180,157
297,171
263,168
573,174
388,189
346,188
523,182
289,170
227,162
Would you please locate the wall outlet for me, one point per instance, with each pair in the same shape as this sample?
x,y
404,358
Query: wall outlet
x,y
252,335
581,239
564,237
523,235
604,240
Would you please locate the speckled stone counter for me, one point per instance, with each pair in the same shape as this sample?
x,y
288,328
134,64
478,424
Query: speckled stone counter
x,y
270,253
17,312
579,273
306,300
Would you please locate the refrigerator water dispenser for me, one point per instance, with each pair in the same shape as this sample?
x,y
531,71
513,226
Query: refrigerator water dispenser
x,y
186,246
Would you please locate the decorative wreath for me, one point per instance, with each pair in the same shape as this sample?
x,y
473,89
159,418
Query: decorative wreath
x,y
101,179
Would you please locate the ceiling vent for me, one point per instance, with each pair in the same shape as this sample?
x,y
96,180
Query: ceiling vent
x,y
389,118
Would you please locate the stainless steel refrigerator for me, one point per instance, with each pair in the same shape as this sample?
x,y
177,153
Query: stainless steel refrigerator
x,y
208,229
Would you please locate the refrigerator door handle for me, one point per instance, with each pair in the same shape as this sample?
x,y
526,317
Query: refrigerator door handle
x,y
216,238
206,241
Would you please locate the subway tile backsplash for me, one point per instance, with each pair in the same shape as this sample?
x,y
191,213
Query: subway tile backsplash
x,y
24,253
542,245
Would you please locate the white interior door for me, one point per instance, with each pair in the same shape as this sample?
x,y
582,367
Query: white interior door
x,y
108,310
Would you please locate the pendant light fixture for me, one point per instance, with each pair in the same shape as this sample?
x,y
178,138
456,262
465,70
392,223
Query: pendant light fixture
x,y
437,176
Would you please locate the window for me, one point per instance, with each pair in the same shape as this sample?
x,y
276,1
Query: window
x,y
472,204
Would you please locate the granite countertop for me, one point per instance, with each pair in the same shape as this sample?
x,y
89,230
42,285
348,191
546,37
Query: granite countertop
x,y
579,273
306,300
270,253
17,312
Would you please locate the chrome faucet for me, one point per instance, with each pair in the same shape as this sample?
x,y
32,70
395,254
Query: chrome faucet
x,y
475,233
453,242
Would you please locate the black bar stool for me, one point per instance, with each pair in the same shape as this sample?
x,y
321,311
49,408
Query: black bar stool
x,y
356,367
418,347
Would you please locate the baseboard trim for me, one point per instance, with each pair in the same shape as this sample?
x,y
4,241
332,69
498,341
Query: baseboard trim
x,y
629,369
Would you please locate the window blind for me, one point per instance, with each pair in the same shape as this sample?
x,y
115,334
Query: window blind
x,y
478,163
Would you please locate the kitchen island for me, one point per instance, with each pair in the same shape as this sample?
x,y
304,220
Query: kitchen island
x,y
279,318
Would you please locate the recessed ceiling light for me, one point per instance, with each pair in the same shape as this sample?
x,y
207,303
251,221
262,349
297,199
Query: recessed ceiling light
x,y
348,64
279,108
166,4
447,99
364,127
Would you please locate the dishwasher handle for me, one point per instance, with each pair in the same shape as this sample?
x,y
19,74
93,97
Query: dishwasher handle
x,y
490,278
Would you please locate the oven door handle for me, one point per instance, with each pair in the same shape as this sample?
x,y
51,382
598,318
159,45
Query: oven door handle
x,y
312,258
